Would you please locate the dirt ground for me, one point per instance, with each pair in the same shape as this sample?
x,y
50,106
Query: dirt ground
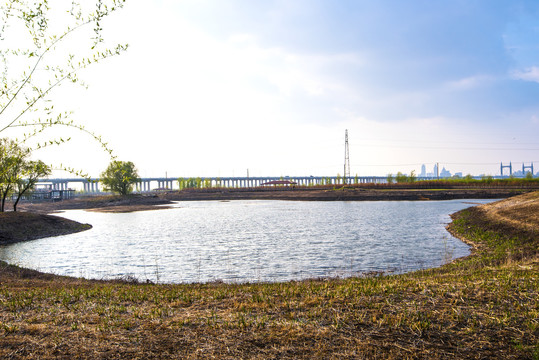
x,y
522,211
141,202
23,226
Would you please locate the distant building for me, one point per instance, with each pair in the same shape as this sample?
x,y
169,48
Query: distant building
x,y
435,173
445,173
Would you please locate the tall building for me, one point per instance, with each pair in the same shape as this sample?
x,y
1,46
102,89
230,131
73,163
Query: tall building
x,y
423,171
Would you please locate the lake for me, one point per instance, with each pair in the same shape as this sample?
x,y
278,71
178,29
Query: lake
x,y
250,241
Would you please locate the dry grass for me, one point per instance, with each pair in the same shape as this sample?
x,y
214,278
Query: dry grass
x,y
483,307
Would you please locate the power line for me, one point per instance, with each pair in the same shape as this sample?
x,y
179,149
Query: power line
x,y
448,148
446,142
441,162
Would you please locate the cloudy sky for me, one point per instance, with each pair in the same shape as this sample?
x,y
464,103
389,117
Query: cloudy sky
x,y
213,88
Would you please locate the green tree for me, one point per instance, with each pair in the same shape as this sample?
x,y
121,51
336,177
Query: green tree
x,y
191,183
181,183
413,176
390,178
18,174
119,177
31,172
12,159
401,178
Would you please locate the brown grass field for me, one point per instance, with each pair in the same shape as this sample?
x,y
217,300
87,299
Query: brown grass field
x,y
485,306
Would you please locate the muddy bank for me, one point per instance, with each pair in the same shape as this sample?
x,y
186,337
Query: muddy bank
x,y
149,202
102,203
23,226
346,194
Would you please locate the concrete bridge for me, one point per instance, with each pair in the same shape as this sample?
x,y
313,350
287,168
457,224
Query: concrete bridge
x,y
93,185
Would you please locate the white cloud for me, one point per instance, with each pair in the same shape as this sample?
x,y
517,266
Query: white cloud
x,y
469,82
528,74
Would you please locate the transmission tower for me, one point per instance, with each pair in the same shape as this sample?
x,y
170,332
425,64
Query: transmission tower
x,y
346,159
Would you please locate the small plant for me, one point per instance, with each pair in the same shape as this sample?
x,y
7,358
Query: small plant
x,y
448,252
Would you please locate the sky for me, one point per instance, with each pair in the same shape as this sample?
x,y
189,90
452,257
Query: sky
x,y
222,88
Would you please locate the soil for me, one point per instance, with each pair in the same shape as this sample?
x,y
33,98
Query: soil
x,y
23,226
143,202
348,194
103,203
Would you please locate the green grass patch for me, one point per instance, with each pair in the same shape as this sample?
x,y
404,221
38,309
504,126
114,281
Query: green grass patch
x,y
484,306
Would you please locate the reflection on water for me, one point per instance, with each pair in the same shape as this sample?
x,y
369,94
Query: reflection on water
x,y
247,241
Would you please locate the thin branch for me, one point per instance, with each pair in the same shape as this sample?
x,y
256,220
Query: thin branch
x,y
45,125
52,45
69,31
70,74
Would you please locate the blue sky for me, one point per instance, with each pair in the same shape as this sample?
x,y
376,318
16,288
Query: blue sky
x,y
213,88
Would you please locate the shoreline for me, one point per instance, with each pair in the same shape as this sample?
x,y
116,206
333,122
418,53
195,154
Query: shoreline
x,y
24,226
139,202
114,204
485,305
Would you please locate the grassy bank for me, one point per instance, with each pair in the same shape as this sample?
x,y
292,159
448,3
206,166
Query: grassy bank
x,y
485,306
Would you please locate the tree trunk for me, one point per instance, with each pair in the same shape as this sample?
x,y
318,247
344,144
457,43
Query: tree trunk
x,y
2,207
19,195
15,204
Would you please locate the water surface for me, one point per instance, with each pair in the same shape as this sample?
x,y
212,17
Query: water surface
x,y
247,241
